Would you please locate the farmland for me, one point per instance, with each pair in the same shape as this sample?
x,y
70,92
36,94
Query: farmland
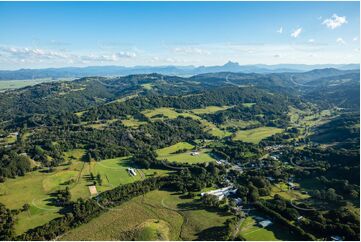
x,y
132,122
253,232
13,84
256,135
36,188
171,154
157,213
170,113
238,124
209,109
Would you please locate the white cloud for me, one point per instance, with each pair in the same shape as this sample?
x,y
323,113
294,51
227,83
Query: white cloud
x,y
114,57
191,50
34,55
244,53
340,41
170,60
311,41
296,33
280,30
355,38
335,21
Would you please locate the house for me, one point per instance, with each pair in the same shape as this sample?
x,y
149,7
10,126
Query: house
x,y
291,184
131,171
221,193
221,162
194,153
238,201
265,223
93,190
336,238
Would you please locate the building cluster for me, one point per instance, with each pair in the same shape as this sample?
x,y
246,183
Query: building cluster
x,y
222,192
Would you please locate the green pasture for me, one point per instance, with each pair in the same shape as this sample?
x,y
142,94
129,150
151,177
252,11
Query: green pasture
x,y
250,230
248,105
36,188
158,215
132,122
238,124
173,148
256,135
169,154
209,109
147,86
170,113
13,84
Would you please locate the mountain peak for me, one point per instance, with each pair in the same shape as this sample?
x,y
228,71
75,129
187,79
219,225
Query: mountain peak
x,y
231,64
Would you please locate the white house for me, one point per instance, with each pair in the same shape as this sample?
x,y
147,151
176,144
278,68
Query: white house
x,y
131,171
265,223
238,201
221,193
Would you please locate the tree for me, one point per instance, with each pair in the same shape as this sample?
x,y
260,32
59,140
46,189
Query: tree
x,y
6,223
210,200
26,207
99,179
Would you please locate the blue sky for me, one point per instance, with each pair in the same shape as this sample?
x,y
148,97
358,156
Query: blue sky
x,y
54,34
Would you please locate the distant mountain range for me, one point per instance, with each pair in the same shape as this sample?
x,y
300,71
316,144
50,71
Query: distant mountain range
x,y
66,72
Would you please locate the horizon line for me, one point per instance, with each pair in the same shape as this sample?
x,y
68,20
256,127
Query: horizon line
x,y
194,66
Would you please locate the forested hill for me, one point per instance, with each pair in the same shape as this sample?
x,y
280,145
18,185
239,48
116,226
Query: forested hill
x,y
334,88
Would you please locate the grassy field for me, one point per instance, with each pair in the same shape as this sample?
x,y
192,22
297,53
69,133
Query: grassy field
x,y
13,84
238,124
209,109
170,113
308,117
248,105
35,188
253,232
169,154
14,193
123,99
10,139
101,125
257,134
214,130
159,215
132,122
114,173
173,148
283,190
147,86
